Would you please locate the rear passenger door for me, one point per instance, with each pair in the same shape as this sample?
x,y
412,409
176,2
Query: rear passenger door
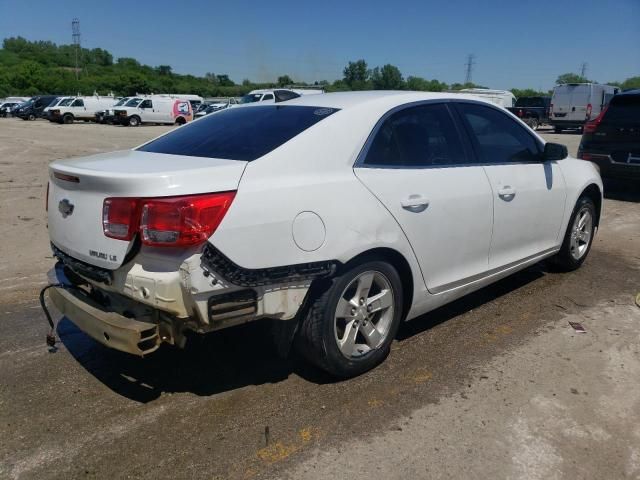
x,y
528,193
416,165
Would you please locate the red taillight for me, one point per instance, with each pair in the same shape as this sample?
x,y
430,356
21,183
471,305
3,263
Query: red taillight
x,y
120,217
589,110
166,221
520,113
592,126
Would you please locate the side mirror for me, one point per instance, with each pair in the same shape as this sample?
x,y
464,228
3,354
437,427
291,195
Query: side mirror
x,y
555,151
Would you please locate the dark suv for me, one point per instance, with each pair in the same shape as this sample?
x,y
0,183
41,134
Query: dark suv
x,y
612,140
33,108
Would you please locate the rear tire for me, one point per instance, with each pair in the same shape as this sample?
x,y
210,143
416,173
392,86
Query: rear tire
x,y
579,236
533,123
557,129
352,319
180,121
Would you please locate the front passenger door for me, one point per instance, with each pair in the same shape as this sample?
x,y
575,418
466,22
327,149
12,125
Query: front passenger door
x,y
416,165
528,193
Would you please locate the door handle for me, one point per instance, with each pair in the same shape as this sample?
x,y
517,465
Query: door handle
x,y
507,193
415,203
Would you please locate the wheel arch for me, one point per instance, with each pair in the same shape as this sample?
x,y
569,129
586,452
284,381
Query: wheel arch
x,y
593,192
400,263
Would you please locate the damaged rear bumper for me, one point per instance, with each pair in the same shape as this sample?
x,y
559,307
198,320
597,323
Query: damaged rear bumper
x,y
107,327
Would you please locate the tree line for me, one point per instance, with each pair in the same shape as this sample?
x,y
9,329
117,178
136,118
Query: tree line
x,y
42,67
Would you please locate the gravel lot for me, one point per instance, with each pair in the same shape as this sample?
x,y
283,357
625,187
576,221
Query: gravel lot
x,y
496,385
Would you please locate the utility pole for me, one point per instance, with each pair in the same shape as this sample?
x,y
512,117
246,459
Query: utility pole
x,y
469,65
75,35
583,69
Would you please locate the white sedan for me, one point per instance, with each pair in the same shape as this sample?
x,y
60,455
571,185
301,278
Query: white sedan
x,y
337,216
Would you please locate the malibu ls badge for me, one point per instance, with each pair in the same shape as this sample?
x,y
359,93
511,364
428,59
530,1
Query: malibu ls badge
x,y
65,207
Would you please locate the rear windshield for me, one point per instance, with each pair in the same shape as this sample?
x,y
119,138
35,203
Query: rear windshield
x,y
240,133
623,109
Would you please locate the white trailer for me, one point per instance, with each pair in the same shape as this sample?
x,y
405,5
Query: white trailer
x,y
502,98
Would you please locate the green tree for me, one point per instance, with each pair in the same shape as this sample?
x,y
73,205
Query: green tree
x,y
285,80
570,78
633,82
356,75
387,78
164,70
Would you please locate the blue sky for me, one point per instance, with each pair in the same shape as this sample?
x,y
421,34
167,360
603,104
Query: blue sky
x,y
516,43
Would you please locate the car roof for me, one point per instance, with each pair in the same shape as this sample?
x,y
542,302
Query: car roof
x,y
346,100
635,91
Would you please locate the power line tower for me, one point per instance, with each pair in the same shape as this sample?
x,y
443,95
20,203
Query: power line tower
x,y
583,69
75,35
469,65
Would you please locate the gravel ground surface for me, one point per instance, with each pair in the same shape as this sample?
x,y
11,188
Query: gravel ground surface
x,y
496,385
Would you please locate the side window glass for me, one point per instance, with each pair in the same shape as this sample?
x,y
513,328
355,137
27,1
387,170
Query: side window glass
x,y
419,136
498,138
146,104
268,96
78,103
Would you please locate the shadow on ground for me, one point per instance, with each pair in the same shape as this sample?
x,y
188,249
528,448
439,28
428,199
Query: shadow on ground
x,y
624,190
239,356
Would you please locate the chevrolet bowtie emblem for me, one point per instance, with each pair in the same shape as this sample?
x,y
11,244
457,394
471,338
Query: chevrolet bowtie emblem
x,y
65,207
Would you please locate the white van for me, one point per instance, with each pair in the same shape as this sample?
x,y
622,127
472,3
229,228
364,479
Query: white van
x,y
164,109
80,108
58,102
502,98
574,104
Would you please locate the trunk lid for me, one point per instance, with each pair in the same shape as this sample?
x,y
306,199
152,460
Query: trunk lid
x,y
78,188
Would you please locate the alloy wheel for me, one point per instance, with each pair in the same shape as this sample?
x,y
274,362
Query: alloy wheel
x,y
364,314
581,233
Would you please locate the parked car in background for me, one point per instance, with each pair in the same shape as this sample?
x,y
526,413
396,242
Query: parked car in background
x,y
80,108
612,139
502,98
106,116
7,107
215,106
9,103
196,230
276,95
33,108
574,104
534,111
163,109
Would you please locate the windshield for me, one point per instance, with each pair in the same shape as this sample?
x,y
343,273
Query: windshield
x,y
55,102
122,101
239,133
133,102
251,98
66,102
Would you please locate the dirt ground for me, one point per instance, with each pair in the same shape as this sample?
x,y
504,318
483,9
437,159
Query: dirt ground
x,y
496,385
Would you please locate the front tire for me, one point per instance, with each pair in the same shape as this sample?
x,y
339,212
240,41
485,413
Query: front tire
x,y
67,119
352,319
579,235
31,117
134,121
